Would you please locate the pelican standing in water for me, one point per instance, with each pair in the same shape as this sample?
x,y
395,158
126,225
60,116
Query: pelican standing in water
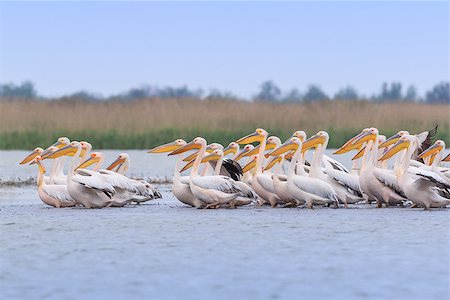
x,y
54,195
213,190
369,182
261,183
304,188
422,189
180,184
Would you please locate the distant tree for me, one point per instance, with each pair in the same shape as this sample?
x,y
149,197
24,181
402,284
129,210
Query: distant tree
x,y
411,93
218,94
314,93
24,90
390,92
269,91
83,95
440,93
293,95
347,93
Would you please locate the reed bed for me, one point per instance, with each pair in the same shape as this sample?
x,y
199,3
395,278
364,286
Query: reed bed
x,y
146,123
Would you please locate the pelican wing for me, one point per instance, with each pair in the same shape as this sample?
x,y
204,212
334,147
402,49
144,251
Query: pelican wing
x,y
219,183
433,178
349,180
246,190
266,182
58,192
389,179
315,186
184,179
123,182
233,168
426,139
333,164
91,179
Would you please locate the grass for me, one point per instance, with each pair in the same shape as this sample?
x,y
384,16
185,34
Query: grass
x,y
149,122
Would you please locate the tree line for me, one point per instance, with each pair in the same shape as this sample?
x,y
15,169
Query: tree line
x,y
268,92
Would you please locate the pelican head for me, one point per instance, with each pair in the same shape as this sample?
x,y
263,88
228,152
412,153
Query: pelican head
x,y
403,143
319,138
120,160
244,151
196,143
349,146
291,144
251,164
85,147
299,134
258,136
95,157
393,139
214,155
381,139
232,147
68,150
437,147
60,143
169,147
38,160
32,156
369,135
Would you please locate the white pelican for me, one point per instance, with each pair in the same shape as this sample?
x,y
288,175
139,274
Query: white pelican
x,y
98,189
54,195
425,141
304,188
279,180
121,199
262,184
436,152
121,164
341,181
214,190
421,187
180,184
52,179
370,176
248,196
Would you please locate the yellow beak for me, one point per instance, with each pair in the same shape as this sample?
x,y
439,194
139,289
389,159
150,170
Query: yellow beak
x,y
348,146
117,163
185,148
359,154
169,147
229,150
91,160
434,149
249,166
30,157
390,141
312,142
67,150
242,154
272,163
365,137
288,145
400,145
251,138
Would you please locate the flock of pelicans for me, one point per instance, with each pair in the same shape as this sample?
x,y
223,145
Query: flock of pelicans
x,y
414,174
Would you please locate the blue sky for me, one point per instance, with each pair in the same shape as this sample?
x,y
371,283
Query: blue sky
x,y
108,47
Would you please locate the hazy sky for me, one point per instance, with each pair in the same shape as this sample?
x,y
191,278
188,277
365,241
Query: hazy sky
x,y
108,47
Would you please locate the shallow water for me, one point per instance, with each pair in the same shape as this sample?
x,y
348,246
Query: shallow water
x,y
166,250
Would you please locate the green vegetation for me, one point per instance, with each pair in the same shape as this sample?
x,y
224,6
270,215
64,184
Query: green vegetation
x,y
146,123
